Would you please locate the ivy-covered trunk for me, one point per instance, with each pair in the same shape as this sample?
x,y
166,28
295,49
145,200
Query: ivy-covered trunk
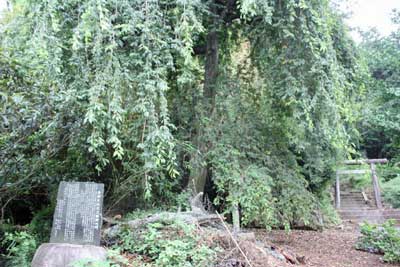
x,y
202,169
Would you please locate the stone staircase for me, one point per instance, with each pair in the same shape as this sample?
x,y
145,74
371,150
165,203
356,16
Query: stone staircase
x,y
356,209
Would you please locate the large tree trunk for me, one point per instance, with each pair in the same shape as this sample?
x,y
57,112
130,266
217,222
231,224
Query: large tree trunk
x,y
211,71
200,171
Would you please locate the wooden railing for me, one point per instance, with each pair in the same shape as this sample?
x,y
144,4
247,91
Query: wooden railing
x,y
375,182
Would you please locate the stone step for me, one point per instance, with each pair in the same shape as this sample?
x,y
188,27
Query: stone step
x,y
350,193
361,200
368,217
352,197
360,213
356,210
370,211
362,203
353,200
355,207
352,204
391,213
371,219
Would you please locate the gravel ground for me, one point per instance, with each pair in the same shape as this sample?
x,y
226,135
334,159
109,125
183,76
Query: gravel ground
x,y
329,248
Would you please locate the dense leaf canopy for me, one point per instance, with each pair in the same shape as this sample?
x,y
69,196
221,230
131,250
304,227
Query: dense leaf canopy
x,y
252,101
381,119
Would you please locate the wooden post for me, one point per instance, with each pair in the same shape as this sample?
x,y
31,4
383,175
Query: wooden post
x,y
377,190
236,219
235,210
337,191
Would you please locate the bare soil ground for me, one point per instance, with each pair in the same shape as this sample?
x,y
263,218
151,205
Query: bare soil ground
x,y
329,248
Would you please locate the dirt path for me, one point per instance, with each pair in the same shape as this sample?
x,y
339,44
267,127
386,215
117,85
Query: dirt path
x,y
330,248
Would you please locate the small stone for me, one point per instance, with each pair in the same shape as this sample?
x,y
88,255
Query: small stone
x,y
246,237
273,252
340,227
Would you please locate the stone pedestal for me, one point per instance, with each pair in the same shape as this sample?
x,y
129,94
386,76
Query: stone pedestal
x,y
64,255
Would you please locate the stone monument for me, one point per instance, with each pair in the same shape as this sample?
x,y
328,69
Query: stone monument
x,y
77,221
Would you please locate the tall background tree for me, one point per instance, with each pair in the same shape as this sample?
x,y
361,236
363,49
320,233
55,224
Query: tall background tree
x,y
251,101
380,124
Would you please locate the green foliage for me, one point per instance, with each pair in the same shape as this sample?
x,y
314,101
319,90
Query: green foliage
x,y
391,192
380,125
260,98
114,259
41,224
20,247
328,212
247,186
182,201
390,182
168,244
140,214
290,113
99,109
360,181
384,239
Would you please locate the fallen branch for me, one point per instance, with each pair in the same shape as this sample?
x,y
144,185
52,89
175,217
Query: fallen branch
x,y
234,240
189,217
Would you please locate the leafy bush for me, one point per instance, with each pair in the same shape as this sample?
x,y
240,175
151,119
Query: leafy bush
x,y
168,244
391,192
361,181
41,223
114,259
140,214
329,214
383,239
107,96
20,248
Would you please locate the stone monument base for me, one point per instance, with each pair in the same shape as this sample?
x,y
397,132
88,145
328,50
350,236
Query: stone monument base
x,y
64,255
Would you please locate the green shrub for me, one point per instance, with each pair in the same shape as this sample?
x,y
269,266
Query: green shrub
x,y
361,181
389,171
168,244
329,214
20,247
114,259
140,214
391,192
383,239
41,223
